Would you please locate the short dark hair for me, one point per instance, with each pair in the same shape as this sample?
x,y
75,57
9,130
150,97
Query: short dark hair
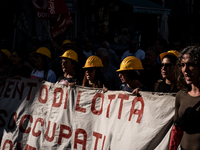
x,y
172,58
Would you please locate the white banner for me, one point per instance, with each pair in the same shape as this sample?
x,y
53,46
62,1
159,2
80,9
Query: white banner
x,y
43,116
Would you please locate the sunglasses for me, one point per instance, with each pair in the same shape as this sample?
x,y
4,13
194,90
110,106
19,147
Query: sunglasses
x,y
89,69
167,65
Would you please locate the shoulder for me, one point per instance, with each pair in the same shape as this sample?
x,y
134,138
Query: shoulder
x,y
157,84
140,51
180,93
51,72
126,52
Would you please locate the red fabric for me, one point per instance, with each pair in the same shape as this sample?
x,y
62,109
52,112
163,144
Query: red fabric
x,y
64,21
175,139
41,7
56,7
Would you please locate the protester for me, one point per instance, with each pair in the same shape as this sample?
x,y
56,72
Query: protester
x,y
109,71
93,76
133,51
168,82
129,75
19,67
58,51
5,67
71,74
42,70
151,72
187,135
113,58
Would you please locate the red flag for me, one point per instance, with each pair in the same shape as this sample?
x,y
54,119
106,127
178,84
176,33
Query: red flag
x,y
46,8
41,7
56,7
64,21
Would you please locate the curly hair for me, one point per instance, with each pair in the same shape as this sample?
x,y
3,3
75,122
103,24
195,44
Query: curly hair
x,y
194,52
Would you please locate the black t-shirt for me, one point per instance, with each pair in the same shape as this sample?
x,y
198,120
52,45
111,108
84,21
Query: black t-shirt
x,y
166,88
78,78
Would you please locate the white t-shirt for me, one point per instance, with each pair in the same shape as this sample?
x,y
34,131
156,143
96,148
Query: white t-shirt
x,y
140,54
51,76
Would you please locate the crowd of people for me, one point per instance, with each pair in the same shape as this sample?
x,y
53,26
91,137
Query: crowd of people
x,y
155,69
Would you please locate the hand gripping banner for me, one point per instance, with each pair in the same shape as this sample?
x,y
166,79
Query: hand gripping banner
x,y
41,116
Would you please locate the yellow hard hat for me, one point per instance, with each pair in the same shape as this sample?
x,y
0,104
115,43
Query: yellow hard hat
x,y
6,52
66,42
44,51
93,61
130,63
170,52
70,54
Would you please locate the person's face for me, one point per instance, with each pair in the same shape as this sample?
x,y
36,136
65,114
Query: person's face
x,y
90,73
190,70
167,69
38,60
15,59
66,64
123,76
150,57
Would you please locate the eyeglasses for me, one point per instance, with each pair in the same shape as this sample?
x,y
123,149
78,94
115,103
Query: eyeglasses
x,y
89,69
166,65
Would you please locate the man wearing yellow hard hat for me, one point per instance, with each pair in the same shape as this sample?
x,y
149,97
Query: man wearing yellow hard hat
x,y
69,64
129,74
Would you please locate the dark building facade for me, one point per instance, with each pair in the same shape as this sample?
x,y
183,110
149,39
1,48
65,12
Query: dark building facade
x,y
104,20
